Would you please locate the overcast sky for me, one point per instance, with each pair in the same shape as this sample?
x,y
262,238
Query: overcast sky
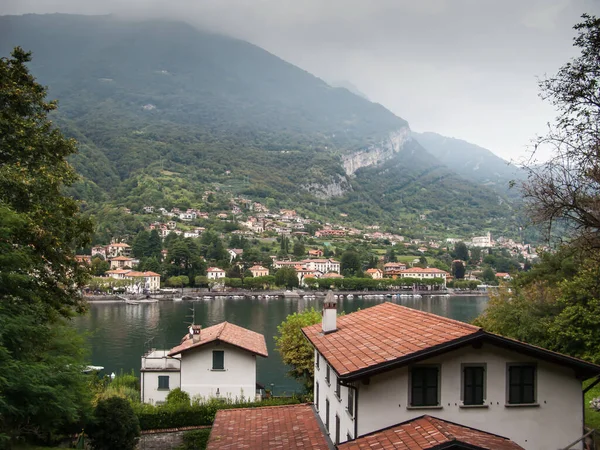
x,y
462,68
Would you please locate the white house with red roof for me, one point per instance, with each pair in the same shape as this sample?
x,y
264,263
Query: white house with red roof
x,y
214,362
214,273
424,274
381,370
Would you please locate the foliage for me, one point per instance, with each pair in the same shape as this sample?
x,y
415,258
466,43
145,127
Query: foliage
x,y
350,263
293,347
461,251
458,269
115,425
177,397
198,413
563,191
195,439
286,276
42,390
124,385
180,281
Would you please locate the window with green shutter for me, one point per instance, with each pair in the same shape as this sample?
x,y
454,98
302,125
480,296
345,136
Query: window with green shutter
x,y
473,385
218,360
163,382
521,384
424,386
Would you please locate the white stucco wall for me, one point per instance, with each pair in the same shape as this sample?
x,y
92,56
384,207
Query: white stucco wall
x,y
555,423
237,379
149,385
336,406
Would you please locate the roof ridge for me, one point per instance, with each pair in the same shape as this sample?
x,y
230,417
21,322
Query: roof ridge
x,y
224,324
250,408
448,319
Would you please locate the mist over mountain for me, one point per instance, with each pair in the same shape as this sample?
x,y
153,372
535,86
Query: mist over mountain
x,y
164,111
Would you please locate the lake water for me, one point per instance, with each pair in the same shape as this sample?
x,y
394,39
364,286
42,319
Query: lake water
x,y
119,334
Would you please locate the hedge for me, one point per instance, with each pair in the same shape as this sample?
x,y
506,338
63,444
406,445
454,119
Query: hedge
x,y
166,416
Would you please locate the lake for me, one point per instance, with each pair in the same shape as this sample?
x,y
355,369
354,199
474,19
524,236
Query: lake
x,y
119,334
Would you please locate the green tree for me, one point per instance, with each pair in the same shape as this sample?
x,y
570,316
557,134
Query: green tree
x,y
42,390
155,245
299,250
286,276
141,245
296,352
350,263
488,275
461,251
115,425
458,270
99,266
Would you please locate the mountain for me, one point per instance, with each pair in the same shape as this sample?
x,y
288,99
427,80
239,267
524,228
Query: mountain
x,y
164,112
471,161
351,87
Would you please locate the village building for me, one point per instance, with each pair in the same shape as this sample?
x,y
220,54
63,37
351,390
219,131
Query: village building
x,y
429,373
214,273
117,249
121,262
482,241
376,274
425,274
84,260
235,253
259,271
141,282
315,253
214,362
391,268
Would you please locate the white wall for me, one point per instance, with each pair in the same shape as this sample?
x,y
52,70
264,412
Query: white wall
x,y
555,423
336,406
149,385
238,378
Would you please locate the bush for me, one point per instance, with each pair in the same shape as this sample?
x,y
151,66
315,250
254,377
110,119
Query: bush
x,y
168,416
177,397
195,439
115,425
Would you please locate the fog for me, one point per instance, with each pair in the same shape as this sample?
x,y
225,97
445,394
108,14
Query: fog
x,y
462,68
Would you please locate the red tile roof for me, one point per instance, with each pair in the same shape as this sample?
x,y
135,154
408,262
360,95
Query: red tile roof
x,y
426,270
383,333
270,427
228,333
121,258
429,433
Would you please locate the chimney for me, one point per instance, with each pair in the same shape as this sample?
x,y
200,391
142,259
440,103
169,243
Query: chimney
x,y
329,324
195,333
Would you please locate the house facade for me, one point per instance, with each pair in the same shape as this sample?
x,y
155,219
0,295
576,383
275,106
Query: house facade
x,y
259,271
422,364
119,262
424,274
214,273
376,274
215,362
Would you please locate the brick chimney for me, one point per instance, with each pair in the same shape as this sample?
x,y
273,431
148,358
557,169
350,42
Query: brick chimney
x,y
195,333
329,323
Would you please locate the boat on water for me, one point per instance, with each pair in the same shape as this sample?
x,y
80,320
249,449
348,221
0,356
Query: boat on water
x,y
349,296
177,299
89,369
132,302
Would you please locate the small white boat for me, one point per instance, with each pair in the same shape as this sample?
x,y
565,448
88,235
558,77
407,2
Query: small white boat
x,y
177,299
89,369
132,302
350,297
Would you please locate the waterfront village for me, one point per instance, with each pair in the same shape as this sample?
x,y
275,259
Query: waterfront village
x,y
245,246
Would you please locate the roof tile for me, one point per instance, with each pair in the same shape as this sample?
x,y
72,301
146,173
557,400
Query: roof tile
x,y
383,333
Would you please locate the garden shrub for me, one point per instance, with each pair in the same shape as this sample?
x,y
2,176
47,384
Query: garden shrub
x,y
114,426
195,439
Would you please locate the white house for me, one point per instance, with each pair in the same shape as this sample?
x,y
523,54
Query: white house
x,y
322,265
140,281
424,274
214,273
259,271
386,367
482,241
120,262
218,361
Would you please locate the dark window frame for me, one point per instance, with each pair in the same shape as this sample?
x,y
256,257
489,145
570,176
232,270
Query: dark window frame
x,y
317,361
161,386
338,390
327,414
337,429
350,407
475,393
523,390
222,352
328,375
317,395
429,381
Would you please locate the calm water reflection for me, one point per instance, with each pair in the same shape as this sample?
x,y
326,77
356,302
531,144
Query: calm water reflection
x,y
118,333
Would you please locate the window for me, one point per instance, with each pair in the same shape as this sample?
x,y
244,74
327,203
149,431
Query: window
x,y
328,375
521,384
424,386
163,382
218,360
351,401
337,429
327,414
317,358
473,384
338,390
317,395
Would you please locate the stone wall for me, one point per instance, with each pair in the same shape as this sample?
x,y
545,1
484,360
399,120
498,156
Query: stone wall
x,y
163,439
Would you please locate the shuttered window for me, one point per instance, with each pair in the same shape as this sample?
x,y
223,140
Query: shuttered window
x,y
521,384
473,385
424,386
218,360
163,382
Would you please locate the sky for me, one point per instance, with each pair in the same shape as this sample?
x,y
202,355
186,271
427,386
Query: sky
x,y
462,68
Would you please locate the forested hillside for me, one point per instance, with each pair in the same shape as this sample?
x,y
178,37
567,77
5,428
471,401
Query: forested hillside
x,y
162,112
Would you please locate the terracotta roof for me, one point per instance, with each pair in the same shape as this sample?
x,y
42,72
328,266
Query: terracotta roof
x,y
269,427
373,270
381,334
151,274
332,275
258,268
214,269
121,258
428,432
118,244
119,271
228,333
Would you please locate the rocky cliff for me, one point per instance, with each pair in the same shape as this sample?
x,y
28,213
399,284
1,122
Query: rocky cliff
x,y
378,153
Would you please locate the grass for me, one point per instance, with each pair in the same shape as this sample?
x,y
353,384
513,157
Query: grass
x,y
592,418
